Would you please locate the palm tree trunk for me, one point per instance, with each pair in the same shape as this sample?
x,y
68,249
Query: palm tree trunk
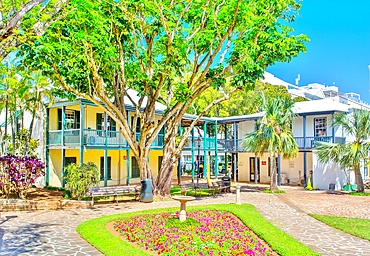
x,y
358,177
273,181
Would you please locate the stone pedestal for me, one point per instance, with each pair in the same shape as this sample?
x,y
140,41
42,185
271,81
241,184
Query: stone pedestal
x,y
237,194
183,200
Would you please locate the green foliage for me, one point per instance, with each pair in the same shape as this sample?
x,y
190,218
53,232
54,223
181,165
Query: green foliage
x,y
24,145
24,21
53,188
176,223
354,226
299,99
359,194
95,232
269,191
79,179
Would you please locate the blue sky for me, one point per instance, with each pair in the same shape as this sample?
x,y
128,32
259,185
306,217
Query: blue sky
x,y
339,47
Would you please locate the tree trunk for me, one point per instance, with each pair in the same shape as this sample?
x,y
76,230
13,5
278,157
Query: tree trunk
x,y
273,181
359,181
171,155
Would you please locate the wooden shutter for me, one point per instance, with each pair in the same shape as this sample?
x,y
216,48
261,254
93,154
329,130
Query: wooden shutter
x,y
77,119
99,117
59,119
113,127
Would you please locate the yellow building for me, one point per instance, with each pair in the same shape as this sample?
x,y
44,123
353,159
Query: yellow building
x,y
79,132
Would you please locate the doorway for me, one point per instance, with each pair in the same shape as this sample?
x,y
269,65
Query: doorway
x,y
253,169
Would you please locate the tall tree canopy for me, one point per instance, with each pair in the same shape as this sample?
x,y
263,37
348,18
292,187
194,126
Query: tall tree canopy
x,y
22,21
169,52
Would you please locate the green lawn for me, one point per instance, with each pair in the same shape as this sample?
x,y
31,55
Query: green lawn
x,y
353,226
175,191
95,233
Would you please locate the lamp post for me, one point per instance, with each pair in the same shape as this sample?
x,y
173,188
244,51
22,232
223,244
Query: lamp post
x,y
198,143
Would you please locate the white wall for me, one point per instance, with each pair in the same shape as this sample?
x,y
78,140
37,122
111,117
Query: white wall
x,y
324,174
245,128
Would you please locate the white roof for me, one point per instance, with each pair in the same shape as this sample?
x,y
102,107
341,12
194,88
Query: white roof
x,y
135,97
271,79
323,105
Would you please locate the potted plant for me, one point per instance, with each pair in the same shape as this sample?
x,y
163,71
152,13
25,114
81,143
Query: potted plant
x,y
349,186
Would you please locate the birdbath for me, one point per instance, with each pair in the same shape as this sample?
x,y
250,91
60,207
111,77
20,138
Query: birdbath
x,y
183,200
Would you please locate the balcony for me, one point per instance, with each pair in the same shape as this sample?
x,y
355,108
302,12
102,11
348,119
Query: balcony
x,y
95,138
235,145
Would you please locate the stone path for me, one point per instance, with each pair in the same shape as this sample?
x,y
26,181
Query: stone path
x,y
54,232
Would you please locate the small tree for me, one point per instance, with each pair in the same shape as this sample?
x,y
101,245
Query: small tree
x,y
17,174
79,179
273,134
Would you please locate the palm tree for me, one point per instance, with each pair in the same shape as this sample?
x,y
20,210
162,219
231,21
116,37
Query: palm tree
x,y
273,134
349,155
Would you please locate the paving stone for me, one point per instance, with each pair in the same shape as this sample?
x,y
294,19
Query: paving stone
x,y
54,232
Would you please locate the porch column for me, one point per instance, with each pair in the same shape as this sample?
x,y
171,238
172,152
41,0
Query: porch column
x,y
255,160
105,150
278,170
82,136
192,155
63,143
255,169
63,164
332,128
47,152
105,167
128,152
304,153
236,148
205,150
178,160
226,148
215,168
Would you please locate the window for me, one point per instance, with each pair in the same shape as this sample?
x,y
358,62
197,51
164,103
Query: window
x,y
135,168
72,119
111,125
102,168
320,127
69,160
269,167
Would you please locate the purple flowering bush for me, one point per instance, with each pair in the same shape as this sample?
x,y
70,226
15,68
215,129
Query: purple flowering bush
x,y
18,174
218,233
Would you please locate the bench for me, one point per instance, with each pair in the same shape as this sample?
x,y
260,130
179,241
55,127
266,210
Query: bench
x,y
184,188
205,186
221,186
114,191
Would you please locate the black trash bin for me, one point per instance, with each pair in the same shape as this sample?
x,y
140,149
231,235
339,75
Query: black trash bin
x,y
226,181
146,195
331,186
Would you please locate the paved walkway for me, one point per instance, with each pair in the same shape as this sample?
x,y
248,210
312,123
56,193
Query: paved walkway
x,y
54,232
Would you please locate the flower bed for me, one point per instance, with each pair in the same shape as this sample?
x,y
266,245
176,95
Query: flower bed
x,y
218,233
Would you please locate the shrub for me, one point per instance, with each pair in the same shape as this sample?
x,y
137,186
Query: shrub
x,y
18,174
79,179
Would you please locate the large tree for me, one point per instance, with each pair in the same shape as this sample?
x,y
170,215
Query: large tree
x,y
169,52
23,21
350,154
273,134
